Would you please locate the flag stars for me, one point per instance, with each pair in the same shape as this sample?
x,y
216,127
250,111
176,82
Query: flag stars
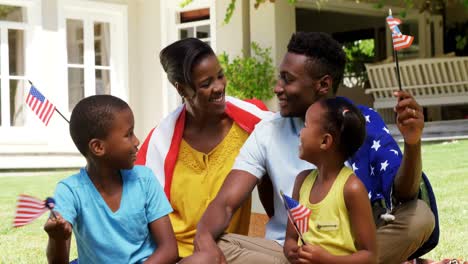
x,y
354,167
372,170
394,151
386,130
384,165
376,145
367,118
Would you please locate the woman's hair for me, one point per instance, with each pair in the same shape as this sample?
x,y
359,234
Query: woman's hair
x,y
345,123
179,58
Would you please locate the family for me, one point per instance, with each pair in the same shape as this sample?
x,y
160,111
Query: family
x,y
190,202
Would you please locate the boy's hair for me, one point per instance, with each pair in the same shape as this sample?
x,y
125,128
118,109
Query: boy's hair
x,y
344,121
92,118
326,55
179,58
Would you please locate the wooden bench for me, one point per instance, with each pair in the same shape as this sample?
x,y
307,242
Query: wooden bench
x,y
433,81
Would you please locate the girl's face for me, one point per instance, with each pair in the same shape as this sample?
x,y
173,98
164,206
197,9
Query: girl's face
x,y
209,83
311,136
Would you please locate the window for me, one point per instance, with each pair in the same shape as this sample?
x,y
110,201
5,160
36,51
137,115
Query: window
x,y
195,24
13,83
91,38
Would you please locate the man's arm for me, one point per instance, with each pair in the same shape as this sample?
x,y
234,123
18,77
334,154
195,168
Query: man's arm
x,y
235,190
410,122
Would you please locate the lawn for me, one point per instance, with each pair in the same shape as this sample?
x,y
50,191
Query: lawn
x,y
446,164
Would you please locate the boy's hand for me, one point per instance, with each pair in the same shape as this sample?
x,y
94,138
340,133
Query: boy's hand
x,y
58,228
310,254
410,118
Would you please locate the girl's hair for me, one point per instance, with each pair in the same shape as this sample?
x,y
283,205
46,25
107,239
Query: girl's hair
x,y
179,58
345,123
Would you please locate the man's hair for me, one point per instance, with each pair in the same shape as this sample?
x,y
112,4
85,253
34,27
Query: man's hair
x,y
344,121
326,55
92,118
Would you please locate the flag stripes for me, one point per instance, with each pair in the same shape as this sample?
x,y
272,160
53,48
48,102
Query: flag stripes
x,y
42,107
28,209
399,40
300,214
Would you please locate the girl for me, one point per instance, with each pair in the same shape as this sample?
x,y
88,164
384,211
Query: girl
x,y
341,227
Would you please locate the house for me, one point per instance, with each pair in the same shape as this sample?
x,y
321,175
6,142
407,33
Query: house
x,y
75,48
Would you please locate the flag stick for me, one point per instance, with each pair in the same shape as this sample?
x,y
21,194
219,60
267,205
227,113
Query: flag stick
x,y
395,58
291,219
56,110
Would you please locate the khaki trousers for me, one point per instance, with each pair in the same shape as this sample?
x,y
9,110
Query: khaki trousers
x,y
396,240
239,249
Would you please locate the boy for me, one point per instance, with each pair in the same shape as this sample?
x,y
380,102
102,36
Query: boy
x,y
118,212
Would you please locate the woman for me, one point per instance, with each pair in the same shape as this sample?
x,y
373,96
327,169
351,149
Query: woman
x,y
193,149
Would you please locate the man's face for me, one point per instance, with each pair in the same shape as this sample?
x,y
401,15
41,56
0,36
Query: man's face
x,y
295,88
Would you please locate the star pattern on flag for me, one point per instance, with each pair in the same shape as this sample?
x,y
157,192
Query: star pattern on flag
x,y
378,159
367,118
384,165
376,145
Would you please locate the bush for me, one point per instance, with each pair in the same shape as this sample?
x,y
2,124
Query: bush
x,y
250,77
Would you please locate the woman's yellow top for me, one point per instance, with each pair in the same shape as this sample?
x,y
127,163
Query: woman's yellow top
x,y
196,181
329,224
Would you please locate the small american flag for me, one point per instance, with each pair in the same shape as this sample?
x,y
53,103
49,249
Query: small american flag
x,y
28,209
43,108
400,41
299,213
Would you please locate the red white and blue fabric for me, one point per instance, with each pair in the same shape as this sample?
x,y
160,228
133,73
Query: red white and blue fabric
x,y
400,41
42,107
28,209
161,147
299,213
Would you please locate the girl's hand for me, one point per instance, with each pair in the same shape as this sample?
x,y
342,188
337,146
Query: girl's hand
x,y
311,254
291,252
58,228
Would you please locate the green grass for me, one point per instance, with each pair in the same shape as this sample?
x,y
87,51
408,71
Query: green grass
x,y
446,165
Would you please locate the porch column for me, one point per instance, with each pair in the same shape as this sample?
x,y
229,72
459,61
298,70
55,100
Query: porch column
x,y
233,37
271,25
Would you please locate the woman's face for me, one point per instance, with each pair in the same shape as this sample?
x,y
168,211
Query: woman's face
x,y
209,83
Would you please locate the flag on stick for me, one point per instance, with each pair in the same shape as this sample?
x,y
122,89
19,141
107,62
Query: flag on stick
x,y
43,108
298,214
30,208
399,40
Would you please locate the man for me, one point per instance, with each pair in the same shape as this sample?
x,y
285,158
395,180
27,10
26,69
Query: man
x,y
313,65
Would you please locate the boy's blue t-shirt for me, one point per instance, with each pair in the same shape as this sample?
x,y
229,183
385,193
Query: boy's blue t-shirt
x,y
103,236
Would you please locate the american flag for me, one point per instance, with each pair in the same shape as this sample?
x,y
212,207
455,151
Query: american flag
x,y
400,41
299,213
43,108
28,209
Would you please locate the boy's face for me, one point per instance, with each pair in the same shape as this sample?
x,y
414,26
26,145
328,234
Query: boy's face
x,y
121,144
311,136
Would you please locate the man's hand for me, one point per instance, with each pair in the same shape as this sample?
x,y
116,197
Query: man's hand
x,y
205,243
291,252
58,228
410,118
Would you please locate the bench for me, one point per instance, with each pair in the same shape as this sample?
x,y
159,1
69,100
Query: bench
x,y
433,81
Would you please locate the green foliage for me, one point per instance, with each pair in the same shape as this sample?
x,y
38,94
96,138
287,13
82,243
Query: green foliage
x,y
184,3
357,53
461,42
250,77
